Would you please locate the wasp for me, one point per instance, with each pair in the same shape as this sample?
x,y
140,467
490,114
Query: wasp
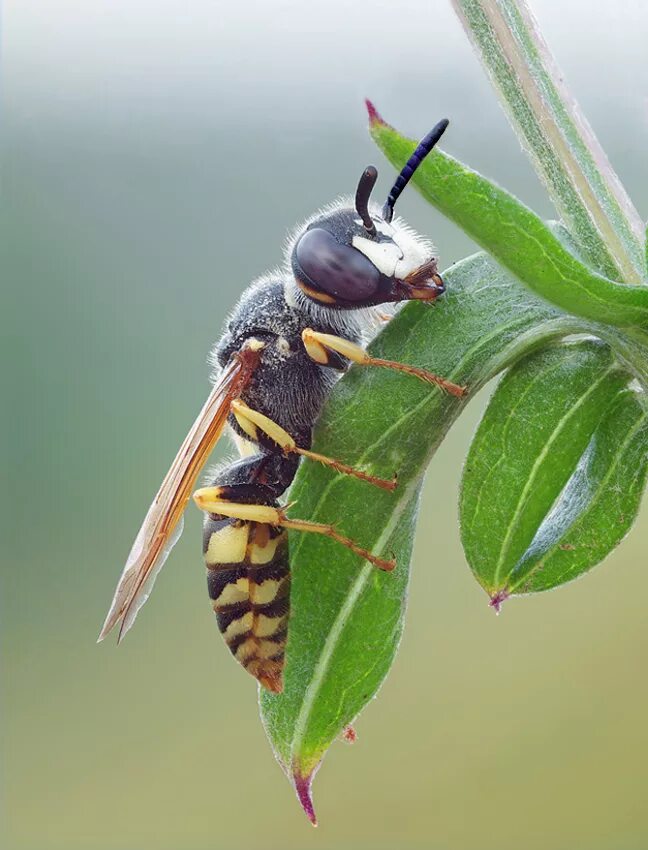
x,y
290,337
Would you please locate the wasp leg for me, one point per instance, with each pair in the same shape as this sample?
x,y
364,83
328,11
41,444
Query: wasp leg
x,y
210,500
251,421
319,345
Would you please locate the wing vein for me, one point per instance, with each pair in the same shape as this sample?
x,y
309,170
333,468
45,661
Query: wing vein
x,y
162,524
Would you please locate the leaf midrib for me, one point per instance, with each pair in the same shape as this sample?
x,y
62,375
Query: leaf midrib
x,y
595,497
541,376
341,620
319,671
515,515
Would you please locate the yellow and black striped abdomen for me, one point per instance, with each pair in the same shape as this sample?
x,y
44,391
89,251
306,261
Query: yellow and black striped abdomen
x,y
248,578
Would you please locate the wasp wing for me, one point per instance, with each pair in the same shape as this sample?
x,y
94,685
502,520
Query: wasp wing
x,y
163,523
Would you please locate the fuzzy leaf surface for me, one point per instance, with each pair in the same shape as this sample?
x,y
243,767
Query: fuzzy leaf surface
x,y
598,505
515,236
347,616
557,432
556,135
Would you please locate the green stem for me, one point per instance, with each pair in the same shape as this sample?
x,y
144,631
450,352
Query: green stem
x,y
563,147
631,347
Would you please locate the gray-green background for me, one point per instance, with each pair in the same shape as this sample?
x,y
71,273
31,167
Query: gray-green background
x,y
156,152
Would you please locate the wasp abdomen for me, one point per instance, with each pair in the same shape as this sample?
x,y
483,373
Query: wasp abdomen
x,y
248,578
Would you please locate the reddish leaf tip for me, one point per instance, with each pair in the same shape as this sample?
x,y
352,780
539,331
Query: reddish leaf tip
x,y
349,734
375,117
303,789
497,599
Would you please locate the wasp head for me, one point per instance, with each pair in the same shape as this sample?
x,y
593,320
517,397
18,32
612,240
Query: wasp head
x,y
357,256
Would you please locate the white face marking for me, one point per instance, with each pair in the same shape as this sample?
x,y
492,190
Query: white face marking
x,y
396,258
384,255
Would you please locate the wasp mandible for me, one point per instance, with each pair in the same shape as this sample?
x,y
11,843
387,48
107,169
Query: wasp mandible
x,y
291,336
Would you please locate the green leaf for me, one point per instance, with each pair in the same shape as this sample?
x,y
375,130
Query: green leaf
x,y
515,236
629,344
563,147
346,615
535,437
598,505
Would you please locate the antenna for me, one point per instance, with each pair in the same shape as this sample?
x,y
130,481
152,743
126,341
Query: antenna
x,y
363,193
422,150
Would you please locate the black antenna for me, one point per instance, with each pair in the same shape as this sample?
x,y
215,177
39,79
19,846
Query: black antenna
x,y
363,193
422,150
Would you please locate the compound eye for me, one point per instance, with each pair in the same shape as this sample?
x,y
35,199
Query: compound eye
x,y
338,270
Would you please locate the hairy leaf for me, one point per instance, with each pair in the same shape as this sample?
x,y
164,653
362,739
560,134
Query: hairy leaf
x,y
542,450
598,505
556,135
629,344
515,235
347,616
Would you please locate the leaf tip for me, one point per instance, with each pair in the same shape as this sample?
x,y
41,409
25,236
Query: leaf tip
x,y
375,118
303,783
349,734
497,599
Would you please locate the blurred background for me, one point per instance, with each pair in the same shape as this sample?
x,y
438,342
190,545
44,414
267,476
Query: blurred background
x,y
156,153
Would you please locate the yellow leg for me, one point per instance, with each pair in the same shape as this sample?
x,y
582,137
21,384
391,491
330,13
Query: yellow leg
x,y
319,344
251,421
209,500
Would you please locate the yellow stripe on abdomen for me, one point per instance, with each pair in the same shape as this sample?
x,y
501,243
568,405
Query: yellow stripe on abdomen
x,y
249,589
228,544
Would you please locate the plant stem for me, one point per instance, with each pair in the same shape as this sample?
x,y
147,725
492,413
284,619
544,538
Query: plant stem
x,y
563,147
631,347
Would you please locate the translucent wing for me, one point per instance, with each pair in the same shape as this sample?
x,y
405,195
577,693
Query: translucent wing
x,y
162,525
